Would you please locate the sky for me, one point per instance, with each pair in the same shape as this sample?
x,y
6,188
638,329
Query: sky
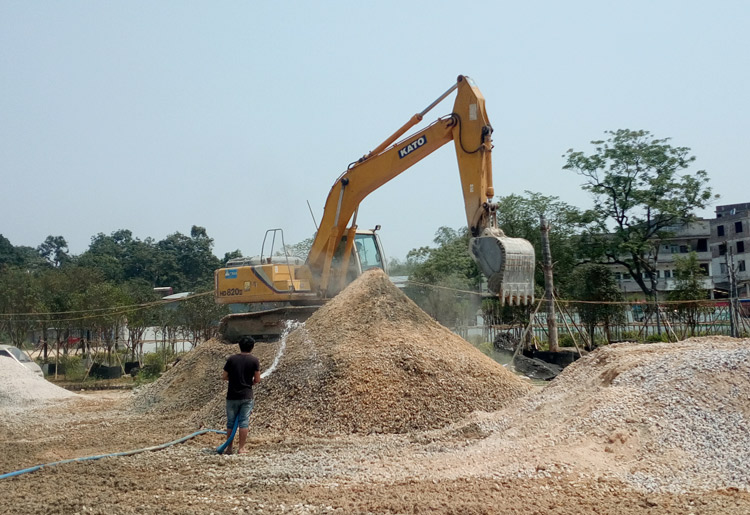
x,y
157,116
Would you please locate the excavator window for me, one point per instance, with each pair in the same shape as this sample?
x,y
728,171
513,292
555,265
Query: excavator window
x,y
368,251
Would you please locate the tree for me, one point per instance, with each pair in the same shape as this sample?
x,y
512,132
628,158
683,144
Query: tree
x,y
641,194
447,268
689,290
185,262
518,216
20,299
54,250
199,317
596,286
140,292
449,259
301,249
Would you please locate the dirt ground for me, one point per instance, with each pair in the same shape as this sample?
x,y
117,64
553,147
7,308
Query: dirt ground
x,y
376,408
353,474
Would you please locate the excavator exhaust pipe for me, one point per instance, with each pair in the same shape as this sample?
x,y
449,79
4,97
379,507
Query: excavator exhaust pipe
x,y
508,264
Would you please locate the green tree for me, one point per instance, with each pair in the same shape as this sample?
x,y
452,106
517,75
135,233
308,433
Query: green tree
x,y
446,270
55,250
199,317
61,290
300,249
449,259
140,292
398,267
690,290
642,193
231,255
518,216
596,286
20,300
185,262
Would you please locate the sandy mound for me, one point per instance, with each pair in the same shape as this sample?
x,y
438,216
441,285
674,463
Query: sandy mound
x,y
21,387
368,361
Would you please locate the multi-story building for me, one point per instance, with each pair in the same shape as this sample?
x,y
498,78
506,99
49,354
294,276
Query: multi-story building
x,y
730,248
693,237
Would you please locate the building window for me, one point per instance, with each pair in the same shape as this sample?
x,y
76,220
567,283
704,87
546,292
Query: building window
x,y
625,276
667,274
741,265
738,226
740,247
720,230
684,249
675,249
722,249
618,276
704,268
723,268
703,245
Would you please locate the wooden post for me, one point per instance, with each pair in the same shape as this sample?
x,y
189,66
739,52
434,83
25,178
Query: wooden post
x,y
549,295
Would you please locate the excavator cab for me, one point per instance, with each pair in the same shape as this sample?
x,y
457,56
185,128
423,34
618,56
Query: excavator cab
x,y
369,251
366,253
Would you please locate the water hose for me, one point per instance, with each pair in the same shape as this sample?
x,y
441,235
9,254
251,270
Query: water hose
x,y
124,453
220,449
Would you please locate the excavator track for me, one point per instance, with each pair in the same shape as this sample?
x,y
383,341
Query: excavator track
x,y
262,325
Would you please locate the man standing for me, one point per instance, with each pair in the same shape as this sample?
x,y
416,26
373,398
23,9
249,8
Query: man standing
x,y
242,371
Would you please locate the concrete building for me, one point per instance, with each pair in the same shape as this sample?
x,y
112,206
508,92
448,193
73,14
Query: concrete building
x,y
730,249
693,237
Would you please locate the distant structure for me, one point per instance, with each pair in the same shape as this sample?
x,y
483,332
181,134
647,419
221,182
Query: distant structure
x,y
693,237
722,246
730,250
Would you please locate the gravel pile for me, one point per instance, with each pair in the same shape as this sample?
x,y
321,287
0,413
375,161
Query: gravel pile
x,y
369,361
20,387
662,417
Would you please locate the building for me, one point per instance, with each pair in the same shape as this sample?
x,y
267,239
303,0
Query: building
x,y
693,237
730,249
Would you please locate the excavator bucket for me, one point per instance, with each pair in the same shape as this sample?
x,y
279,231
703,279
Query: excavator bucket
x,y
508,264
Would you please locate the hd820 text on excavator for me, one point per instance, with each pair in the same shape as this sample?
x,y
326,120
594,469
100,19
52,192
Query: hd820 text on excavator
x,y
266,290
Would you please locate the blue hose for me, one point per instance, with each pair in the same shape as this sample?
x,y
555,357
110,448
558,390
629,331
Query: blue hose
x,y
220,449
127,453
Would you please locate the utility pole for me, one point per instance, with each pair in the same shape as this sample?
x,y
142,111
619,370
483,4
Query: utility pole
x,y
729,261
549,286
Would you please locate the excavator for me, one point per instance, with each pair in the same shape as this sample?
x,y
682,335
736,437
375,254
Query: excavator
x,y
270,289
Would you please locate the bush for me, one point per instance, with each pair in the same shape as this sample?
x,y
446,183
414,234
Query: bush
x,y
565,340
71,367
630,336
656,338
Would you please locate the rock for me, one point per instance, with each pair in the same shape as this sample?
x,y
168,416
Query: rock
x,y
536,368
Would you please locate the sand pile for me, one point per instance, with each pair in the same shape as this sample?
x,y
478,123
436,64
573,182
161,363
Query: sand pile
x,y
369,361
195,380
20,387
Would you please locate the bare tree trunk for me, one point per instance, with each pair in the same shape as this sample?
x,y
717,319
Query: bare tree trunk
x,y
549,287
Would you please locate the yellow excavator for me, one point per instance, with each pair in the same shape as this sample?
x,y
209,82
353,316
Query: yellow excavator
x,y
270,289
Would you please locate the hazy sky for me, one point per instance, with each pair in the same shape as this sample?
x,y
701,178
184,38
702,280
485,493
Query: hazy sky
x,y
156,116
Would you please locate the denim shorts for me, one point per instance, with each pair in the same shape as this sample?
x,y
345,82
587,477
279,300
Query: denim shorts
x,y
239,408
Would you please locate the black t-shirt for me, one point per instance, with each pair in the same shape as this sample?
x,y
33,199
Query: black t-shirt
x,y
241,369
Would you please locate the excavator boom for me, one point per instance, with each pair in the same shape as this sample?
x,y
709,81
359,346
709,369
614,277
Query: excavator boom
x,y
336,257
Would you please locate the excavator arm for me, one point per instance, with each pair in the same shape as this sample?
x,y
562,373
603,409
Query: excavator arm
x,y
508,263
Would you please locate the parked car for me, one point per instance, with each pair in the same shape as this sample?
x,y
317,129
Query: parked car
x,y
16,354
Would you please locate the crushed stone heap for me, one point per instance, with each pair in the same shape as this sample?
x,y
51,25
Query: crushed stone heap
x,y
20,387
670,416
369,361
